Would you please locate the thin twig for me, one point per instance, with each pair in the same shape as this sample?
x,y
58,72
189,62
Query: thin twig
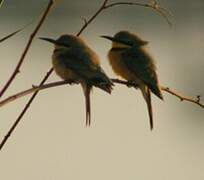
x,y
117,81
31,90
127,83
153,5
17,69
10,35
184,98
85,20
92,18
168,90
15,32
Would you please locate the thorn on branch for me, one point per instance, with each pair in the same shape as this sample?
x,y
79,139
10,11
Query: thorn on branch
x,y
129,85
85,21
198,98
72,82
154,4
132,84
162,11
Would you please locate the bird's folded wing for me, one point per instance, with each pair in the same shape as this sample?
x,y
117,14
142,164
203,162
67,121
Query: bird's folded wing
x,y
142,65
81,66
85,68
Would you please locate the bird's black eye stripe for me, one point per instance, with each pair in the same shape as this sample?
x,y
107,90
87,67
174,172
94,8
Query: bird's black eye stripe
x,y
118,48
56,50
63,44
125,42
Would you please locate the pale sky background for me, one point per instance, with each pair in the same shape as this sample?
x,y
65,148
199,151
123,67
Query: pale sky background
x,y
52,142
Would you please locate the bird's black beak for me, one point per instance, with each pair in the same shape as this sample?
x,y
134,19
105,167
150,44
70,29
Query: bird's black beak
x,y
49,40
116,40
56,42
109,38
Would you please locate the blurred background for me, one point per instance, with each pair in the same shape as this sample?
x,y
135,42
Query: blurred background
x,y
52,142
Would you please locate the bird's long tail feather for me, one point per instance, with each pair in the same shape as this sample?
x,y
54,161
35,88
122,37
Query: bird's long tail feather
x,y
87,90
147,96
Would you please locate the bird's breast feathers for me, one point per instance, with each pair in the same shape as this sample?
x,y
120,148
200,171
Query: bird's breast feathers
x,y
61,70
118,66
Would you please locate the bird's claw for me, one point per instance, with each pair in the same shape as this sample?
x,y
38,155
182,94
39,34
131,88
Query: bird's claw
x,y
132,84
72,82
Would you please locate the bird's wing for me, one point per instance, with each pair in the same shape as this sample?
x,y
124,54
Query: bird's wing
x,y
142,65
87,69
81,65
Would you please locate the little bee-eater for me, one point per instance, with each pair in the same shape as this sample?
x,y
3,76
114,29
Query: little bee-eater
x,y
73,60
132,62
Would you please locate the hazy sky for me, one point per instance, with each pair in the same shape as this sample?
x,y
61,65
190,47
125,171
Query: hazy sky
x,y
52,141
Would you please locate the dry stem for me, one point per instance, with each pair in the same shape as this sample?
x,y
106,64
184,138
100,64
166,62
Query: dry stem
x,y
184,98
152,5
117,81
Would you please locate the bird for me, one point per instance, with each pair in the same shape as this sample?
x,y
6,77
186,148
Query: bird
x,y
131,61
73,60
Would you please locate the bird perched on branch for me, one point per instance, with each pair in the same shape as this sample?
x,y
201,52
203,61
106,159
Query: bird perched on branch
x,y
73,60
131,61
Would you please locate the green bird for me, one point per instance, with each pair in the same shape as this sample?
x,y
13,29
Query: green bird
x,y
74,60
130,60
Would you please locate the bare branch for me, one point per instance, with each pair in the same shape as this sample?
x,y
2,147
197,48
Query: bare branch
x,y
117,81
166,89
10,35
31,90
153,5
1,3
127,83
184,98
85,20
92,18
17,69
14,33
